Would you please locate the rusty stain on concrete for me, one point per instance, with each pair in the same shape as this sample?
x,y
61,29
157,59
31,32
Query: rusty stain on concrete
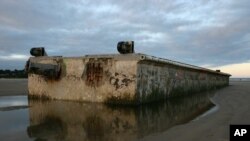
x,y
94,73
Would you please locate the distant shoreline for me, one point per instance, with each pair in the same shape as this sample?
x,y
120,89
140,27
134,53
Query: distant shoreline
x,y
239,79
13,74
12,78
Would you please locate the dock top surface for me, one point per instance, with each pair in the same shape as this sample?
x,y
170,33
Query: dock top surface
x,y
139,56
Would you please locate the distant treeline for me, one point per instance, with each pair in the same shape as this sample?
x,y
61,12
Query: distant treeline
x,y
13,74
239,79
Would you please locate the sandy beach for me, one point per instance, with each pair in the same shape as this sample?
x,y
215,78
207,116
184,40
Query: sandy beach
x,y
234,108
11,87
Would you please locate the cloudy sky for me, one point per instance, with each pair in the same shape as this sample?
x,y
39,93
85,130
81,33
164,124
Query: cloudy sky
x,y
208,33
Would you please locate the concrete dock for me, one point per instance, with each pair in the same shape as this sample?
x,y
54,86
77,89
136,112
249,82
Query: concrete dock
x,y
117,78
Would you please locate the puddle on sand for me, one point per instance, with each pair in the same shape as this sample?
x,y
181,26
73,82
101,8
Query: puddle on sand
x,y
13,102
63,120
14,118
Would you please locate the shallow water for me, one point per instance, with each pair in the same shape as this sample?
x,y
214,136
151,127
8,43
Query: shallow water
x,y
23,119
12,101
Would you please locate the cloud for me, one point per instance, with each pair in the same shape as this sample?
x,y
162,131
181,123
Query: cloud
x,y
195,32
234,70
14,57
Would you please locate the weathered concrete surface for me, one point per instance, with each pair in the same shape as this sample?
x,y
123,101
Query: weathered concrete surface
x,y
128,79
87,79
157,81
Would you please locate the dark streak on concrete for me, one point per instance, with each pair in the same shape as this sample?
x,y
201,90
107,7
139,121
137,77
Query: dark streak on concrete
x,y
94,73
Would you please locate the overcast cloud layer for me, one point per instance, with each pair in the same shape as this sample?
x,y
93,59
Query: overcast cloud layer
x,y
205,33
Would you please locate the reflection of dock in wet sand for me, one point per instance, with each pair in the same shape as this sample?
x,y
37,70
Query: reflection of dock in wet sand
x,y
52,120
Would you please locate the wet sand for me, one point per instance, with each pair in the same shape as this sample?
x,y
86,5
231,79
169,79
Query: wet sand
x,y
13,87
233,103
234,108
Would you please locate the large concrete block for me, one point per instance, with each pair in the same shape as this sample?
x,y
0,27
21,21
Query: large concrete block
x,y
121,79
